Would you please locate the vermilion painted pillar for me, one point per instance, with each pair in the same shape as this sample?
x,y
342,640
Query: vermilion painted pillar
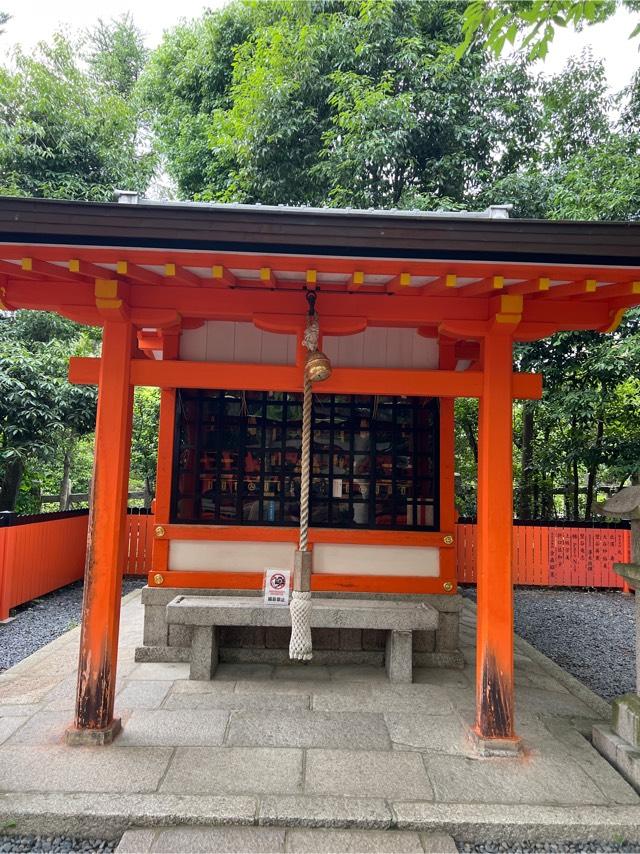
x,y
94,722
494,667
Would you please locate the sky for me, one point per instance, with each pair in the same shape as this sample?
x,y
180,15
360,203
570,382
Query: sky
x,y
35,20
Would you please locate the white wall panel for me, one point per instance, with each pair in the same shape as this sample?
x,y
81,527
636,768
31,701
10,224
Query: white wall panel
x,y
381,347
221,556
341,558
221,341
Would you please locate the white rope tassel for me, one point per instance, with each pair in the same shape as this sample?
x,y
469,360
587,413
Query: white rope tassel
x,y
300,648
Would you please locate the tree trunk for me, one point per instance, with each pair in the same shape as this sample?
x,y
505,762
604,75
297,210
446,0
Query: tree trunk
x,y
65,486
11,483
526,463
593,469
471,438
575,474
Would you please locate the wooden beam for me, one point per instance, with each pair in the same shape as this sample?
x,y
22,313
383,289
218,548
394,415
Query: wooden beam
x,y
182,276
16,270
267,278
625,289
52,271
489,286
88,270
531,286
357,281
442,285
573,289
138,274
183,374
222,276
400,284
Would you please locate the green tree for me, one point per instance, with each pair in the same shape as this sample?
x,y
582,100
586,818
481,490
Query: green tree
x,y
116,54
532,24
355,103
62,133
40,411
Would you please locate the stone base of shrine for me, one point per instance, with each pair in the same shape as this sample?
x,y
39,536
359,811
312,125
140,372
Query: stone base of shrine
x,y
93,737
620,742
270,645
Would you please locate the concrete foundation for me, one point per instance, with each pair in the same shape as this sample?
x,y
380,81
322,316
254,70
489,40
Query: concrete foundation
x,y
270,645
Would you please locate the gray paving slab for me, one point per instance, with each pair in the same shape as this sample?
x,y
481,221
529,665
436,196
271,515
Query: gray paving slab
x,y
432,700
25,690
174,727
324,811
349,730
440,676
142,694
234,770
166,670
315,841
529,779
236,701
9,725
189,686
438,843
18,711
25,768
362,773
227,672
137,841
433,733
45,727
357,673
303,672
219,840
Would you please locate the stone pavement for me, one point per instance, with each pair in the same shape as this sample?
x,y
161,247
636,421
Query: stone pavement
x,y
304,747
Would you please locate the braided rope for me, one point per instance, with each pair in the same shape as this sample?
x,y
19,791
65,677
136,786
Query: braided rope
x,y
300,647
305,468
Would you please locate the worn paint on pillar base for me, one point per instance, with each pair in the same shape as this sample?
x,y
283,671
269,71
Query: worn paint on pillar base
x,y
493,733
75,737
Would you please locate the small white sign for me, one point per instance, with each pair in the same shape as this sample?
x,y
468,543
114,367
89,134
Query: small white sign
x,y
276,586
337,487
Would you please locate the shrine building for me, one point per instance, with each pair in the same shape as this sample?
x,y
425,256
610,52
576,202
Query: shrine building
x,y
214,304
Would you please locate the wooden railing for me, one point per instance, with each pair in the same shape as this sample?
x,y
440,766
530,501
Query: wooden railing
x,y
41,553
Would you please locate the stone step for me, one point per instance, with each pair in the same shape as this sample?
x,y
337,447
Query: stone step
x,y
273,840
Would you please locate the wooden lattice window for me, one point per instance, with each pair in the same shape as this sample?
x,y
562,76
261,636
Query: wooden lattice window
x,y
374,460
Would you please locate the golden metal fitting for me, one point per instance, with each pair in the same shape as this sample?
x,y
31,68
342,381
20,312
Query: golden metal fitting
x,y
158,579
159,531
448,586
448,540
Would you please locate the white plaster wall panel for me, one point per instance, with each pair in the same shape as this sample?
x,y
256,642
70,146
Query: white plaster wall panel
x,y
193,344
221,341
382,347
339,559
222,556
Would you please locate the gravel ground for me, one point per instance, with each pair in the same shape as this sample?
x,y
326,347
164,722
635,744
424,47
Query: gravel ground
x,y
55,843
590,633
526,847
42,620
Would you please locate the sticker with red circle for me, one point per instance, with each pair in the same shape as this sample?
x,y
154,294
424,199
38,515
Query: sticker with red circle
x,y
276,586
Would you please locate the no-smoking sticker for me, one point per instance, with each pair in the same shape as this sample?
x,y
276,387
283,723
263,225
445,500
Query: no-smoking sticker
x,y
276,586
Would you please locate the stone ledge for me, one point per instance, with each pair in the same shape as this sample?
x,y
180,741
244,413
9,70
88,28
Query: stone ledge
x,y
94,815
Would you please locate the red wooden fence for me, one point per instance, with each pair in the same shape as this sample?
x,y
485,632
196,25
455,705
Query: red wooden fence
x,y
41,556
554,556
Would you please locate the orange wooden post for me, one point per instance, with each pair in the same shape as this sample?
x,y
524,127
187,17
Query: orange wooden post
x,y
94,721
494,726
